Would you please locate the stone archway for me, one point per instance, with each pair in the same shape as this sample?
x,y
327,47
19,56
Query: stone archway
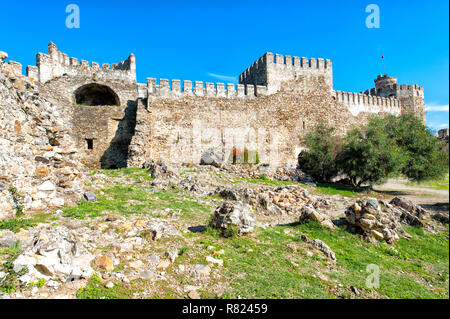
x,y
96,94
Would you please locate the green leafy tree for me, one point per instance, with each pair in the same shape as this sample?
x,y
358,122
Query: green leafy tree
x,y
368,155
424,158
319,160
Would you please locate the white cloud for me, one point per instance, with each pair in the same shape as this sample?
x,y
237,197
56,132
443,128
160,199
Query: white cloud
x,y
436,108
227,78
437,126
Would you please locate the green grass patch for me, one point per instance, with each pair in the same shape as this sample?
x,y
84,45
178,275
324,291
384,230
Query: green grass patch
x,y
16,224
263,266
435,184
137,200
96,289
10,282
126,171
336,189
265,270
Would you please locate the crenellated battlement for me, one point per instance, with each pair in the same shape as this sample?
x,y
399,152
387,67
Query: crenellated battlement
x,y
56,63
386,86
393,88
174,89
273,69
299,62
411,96
359,102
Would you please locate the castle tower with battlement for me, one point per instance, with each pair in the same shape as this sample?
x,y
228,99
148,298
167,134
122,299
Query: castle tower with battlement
x,y
411,97
272,70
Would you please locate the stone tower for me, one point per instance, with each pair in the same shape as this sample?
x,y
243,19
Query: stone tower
x,y
271,70
411,97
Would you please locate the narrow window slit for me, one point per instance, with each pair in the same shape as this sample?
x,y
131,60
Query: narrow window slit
x,y
90,143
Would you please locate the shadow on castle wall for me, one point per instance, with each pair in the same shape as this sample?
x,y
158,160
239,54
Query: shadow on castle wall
x,y
116,155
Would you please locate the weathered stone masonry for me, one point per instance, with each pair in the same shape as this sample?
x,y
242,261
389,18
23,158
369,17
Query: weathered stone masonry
x,y
278,99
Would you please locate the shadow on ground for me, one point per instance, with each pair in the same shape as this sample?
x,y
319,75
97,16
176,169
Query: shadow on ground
x,y
197,229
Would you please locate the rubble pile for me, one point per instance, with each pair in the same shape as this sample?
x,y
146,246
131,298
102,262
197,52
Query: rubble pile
x,y
383,221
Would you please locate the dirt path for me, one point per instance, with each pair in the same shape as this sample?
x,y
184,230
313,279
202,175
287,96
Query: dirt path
x,y
418,194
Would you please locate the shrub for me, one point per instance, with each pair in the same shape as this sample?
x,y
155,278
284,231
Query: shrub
x,y
368,155
385,147
424,159
319,160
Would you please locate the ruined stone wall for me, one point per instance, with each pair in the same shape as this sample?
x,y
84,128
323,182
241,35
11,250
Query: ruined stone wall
x,y
37,154
278,100
443,135
109,128
56,63
412,99
65,87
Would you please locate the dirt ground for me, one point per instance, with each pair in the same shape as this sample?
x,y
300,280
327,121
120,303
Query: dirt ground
x,y
428,197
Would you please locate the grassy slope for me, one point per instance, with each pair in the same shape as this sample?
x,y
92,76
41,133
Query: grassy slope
x,y
409,269
262,265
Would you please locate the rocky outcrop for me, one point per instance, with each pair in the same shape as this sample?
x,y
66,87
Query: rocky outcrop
x,y
383,222
236,214
159,169
409,208
308,213
320,245
39,167
212,157
54,254
441,217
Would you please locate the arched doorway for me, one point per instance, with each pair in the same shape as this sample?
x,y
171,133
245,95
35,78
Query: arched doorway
x,y
96,94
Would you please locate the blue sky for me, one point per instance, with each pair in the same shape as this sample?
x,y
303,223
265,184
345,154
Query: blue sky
x,y
215,41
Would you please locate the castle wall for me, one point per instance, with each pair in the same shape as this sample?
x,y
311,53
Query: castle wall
x,y
443,135
66,86
16,67
178,129
358,102
102,134
277,101
219,90
412,99
110,128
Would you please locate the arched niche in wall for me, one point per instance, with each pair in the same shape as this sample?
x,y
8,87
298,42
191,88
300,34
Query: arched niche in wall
x,y
96,94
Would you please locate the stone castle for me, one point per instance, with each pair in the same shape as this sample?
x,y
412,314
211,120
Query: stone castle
x,y
117,122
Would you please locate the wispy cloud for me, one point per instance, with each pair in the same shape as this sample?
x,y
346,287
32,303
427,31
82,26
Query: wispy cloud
x,y
436,108
227,78
437,126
